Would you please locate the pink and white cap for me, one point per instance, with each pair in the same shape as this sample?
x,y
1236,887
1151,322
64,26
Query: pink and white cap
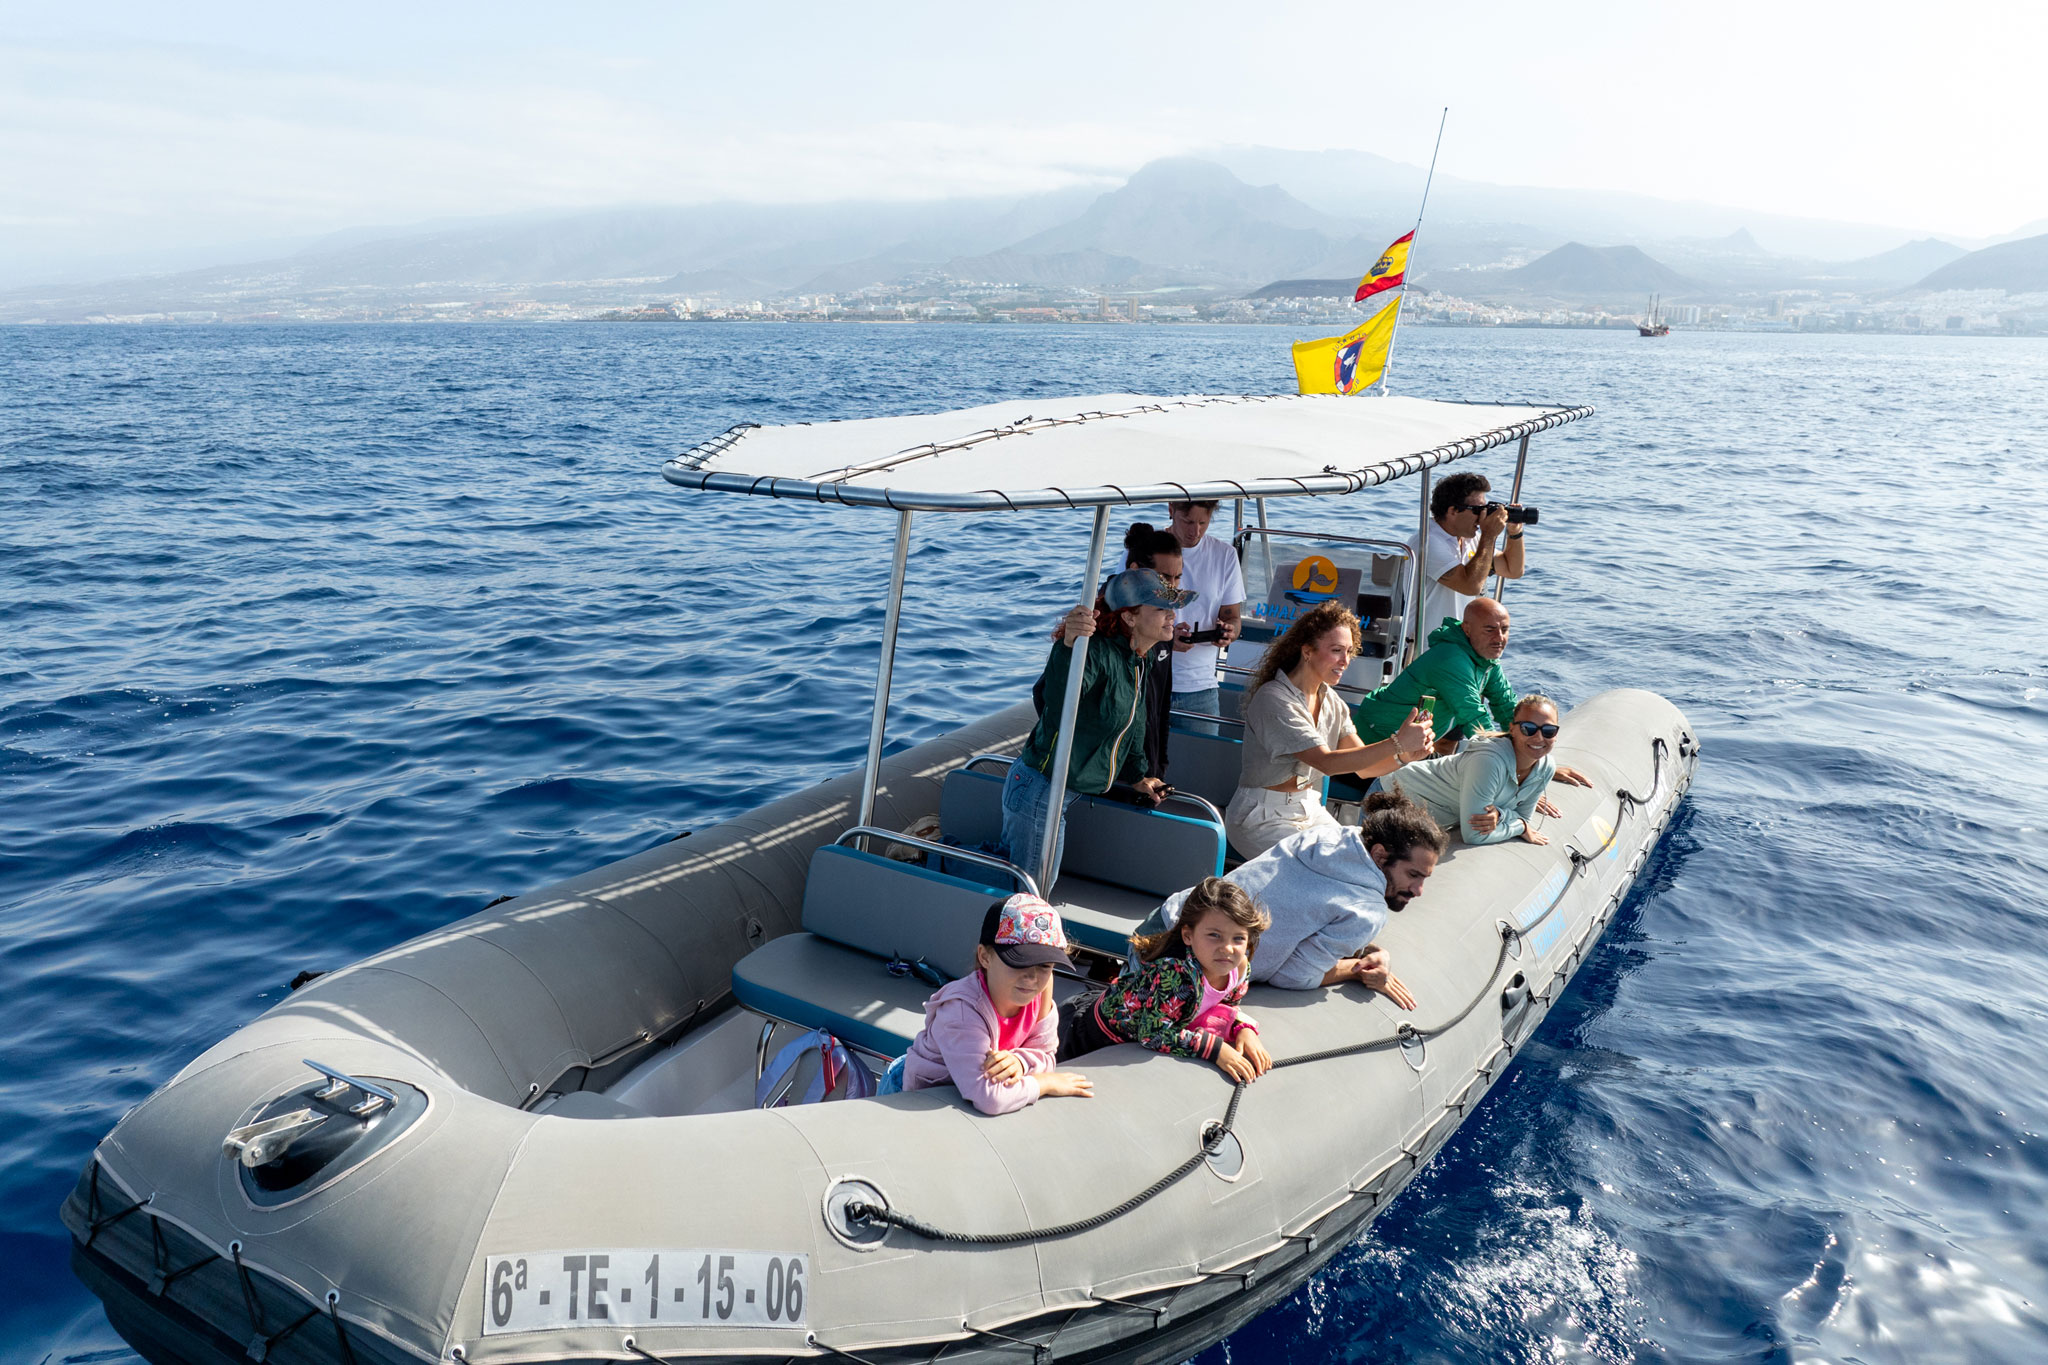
x,y
1026,932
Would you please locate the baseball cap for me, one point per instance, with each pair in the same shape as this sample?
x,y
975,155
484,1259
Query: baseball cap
x,y
1026,932
1143,588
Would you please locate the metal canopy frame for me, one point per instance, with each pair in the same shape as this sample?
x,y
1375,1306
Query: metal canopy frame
x,y
693,469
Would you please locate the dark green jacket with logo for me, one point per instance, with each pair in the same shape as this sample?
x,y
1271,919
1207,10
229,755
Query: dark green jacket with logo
x,y
1109,727
1469,687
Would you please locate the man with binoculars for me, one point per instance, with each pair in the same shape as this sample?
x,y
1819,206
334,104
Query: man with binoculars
x,y
1464,547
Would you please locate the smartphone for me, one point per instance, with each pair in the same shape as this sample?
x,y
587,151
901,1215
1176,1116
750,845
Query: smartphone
x,y
1205,637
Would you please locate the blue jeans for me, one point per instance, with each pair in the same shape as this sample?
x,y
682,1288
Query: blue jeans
x,y
1209,701
1027,798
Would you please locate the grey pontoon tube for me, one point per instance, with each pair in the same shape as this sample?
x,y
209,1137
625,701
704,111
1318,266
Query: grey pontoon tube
x,y
1500,583
884,669
1070,705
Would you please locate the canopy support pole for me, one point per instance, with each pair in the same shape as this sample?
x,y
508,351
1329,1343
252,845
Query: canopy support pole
x,y
1415,571
1500,583
1265,570
1070,705
884,670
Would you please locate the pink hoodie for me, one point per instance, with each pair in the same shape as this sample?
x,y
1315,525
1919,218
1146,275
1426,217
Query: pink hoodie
x,y
959,1030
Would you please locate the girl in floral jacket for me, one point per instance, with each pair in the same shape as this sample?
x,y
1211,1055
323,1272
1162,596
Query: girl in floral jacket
x,y
1180,991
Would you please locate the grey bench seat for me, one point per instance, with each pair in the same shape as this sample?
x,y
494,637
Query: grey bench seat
x,y
861,910
1100,915
1121,860
813,982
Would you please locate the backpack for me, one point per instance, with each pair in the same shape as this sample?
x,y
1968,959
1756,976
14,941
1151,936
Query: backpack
x,y
835,1073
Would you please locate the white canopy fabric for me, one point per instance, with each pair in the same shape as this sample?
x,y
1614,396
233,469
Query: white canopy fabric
x,y
1108,449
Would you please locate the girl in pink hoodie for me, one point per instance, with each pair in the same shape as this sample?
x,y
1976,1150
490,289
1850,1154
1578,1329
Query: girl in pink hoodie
x,y
993,1034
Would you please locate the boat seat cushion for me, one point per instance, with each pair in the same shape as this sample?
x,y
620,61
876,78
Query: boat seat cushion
x,y
1101,916
1206,765
811,982
805,980
895,909
1153,852
860,910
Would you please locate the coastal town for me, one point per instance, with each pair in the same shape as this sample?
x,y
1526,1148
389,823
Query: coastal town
x,y
1979,312
1976,312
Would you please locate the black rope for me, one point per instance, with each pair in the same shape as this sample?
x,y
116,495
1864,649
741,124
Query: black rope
x,y
101,1221
1038,1348
208,1259
1212,1139
294,1326
1629,799
1129,1307
348,1356
250,1300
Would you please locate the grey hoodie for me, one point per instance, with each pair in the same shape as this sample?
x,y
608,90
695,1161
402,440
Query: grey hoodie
x,y
1326,896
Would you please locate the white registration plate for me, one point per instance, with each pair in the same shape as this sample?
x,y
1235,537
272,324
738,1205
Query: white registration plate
x,y
533,1291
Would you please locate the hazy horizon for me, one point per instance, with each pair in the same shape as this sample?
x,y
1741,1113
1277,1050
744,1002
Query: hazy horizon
x,y
133,138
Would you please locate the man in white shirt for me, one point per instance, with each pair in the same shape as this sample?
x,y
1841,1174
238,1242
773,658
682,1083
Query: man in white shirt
x,y
1459,553
1210,569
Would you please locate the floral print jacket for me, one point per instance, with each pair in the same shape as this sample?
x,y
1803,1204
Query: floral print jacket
x,y
1153,1003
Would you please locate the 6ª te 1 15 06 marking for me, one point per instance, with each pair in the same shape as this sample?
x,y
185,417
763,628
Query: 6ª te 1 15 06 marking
x,y
533,1291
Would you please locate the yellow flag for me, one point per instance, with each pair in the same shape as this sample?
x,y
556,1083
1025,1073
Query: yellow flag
x,y
1351,363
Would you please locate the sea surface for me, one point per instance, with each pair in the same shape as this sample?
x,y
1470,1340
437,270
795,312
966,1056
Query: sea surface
x,y
316,638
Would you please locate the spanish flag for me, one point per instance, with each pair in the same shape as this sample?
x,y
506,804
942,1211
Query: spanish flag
x,y
1351,363
1387,272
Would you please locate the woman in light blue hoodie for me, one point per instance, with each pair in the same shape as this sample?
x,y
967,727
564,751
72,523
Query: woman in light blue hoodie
x,y
1493,787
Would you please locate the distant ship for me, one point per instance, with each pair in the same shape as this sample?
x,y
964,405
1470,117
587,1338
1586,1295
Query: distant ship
x,y
1653,325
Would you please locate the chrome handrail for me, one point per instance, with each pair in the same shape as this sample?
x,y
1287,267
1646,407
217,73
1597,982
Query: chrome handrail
x,y
1215,816
1204,716
1341,687
1407,550
944,851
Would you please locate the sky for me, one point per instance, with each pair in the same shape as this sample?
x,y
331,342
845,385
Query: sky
x,y
145,135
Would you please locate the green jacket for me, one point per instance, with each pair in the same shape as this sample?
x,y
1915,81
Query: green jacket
x,y
1470,690
1109,727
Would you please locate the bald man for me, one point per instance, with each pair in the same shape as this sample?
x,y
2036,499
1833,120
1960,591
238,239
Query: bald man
x,y
1461,669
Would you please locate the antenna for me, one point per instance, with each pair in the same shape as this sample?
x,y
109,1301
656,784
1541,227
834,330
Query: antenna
x,y
1409,268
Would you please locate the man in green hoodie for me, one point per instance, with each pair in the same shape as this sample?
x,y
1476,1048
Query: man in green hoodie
x,y
1461,669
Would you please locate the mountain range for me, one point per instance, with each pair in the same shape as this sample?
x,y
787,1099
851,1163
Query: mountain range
x,y
1222,223
2017,267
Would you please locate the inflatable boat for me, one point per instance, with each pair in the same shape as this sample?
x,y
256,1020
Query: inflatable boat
x,y
574,1127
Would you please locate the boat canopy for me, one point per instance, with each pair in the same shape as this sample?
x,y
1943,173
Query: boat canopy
x,y
1108,450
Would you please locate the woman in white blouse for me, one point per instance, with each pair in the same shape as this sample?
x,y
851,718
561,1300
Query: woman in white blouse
x,y
1297,731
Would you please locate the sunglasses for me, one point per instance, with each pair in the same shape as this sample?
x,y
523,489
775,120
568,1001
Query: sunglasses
x,y
1532,729
1477,508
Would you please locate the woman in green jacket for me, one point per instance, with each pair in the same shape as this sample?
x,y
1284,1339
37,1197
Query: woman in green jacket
x,y
1109,724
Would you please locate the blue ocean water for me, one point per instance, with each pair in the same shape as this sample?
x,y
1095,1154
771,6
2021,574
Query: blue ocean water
x,y
317,638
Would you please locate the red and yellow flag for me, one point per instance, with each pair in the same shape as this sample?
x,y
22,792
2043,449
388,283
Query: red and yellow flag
x,y
1387,272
